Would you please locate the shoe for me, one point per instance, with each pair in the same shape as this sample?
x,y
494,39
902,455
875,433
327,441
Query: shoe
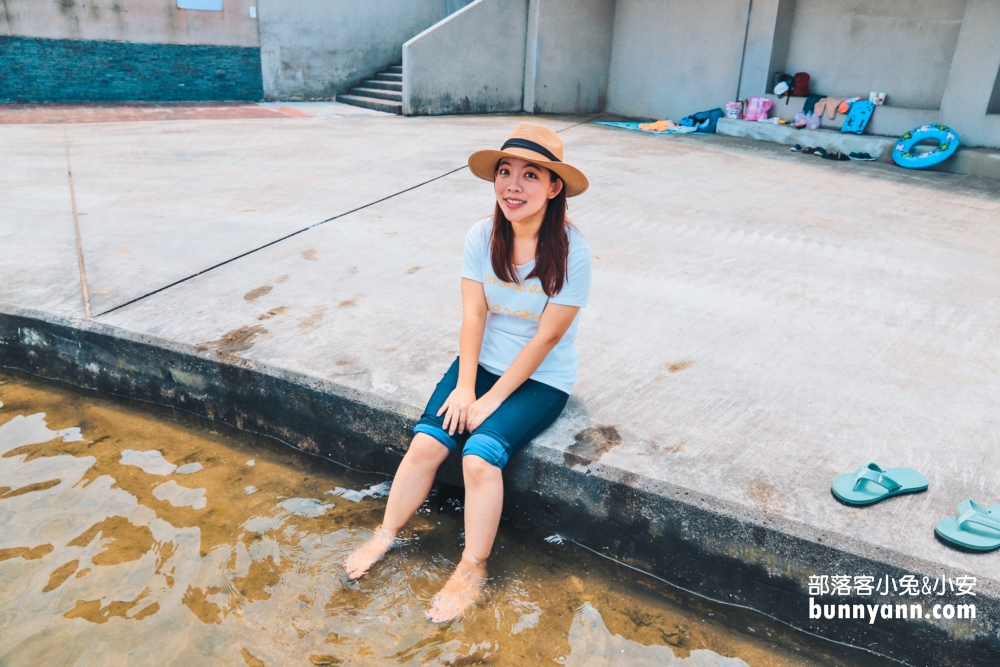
x,y
976,527
797,148
820,152
871,484
834,155
862,157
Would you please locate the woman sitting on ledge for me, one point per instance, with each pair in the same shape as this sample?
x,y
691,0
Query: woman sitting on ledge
x,y
525,276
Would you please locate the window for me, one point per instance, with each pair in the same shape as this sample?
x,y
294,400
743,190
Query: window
x,y
209,5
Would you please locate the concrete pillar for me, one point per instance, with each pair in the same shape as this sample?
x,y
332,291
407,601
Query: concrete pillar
x,y
973,76
766,50
568,55
531,56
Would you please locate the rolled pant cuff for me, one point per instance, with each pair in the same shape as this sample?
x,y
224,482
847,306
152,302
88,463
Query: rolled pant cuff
x,y
488,448
437,433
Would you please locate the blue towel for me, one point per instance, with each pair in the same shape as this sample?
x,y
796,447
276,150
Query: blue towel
x,y
704,120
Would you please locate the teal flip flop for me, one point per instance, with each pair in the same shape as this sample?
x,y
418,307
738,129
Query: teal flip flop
x,y
871,484
975,527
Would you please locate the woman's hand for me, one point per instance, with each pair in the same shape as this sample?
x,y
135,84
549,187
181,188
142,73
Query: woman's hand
x,y
481,409
456,409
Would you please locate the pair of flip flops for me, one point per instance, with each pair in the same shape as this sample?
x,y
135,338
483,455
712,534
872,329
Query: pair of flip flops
x,y
976,527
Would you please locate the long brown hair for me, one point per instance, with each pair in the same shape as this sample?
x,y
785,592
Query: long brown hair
x,y
551,249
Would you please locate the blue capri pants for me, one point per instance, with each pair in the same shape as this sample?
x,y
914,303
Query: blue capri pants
x,y
527,412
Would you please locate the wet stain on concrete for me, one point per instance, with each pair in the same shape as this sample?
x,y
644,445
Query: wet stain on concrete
x,y
675,448
281,279
237,340
313,320
348,303
251,659
766,497
413,270
344,362
274,312
255,294
679,366
309,254
591,444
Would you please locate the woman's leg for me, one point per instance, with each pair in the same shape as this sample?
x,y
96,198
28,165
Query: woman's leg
x,y
483,504
409,490
526,413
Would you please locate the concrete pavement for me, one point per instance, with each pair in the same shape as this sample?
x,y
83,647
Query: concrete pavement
x,y
760,321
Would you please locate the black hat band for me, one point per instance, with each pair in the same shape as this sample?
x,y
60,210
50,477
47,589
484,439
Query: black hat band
x,y
531,146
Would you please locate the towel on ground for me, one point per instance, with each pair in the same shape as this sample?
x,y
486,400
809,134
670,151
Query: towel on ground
x,y
676,129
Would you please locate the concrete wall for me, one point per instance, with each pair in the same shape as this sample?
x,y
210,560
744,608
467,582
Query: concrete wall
x,y
472,62
671,58
314,49
903,47
147,21
568,55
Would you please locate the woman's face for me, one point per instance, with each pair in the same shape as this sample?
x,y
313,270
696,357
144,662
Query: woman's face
x,y
523,189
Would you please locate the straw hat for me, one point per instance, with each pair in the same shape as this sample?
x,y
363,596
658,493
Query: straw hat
x,y
536,144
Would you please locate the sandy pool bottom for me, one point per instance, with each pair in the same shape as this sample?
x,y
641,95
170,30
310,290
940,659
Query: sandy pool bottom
x,y
135,535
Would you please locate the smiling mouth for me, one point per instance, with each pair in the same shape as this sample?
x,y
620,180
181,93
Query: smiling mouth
x,y
515,202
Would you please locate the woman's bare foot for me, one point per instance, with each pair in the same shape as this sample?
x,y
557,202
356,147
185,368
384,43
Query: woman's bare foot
x,y
369,553
461,591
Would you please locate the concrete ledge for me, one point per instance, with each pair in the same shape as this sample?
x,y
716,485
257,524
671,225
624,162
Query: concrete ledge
x,y
704,544
983,162
879,147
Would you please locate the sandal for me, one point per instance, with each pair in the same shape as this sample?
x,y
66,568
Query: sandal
x,y
975,527
871,484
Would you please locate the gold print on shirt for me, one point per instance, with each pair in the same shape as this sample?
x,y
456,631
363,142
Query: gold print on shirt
x,y
505,310
530,289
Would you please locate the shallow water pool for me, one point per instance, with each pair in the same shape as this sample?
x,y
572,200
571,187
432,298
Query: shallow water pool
x,y
136,535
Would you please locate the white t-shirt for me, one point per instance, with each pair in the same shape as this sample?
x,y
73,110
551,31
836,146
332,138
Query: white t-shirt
x,y
514,310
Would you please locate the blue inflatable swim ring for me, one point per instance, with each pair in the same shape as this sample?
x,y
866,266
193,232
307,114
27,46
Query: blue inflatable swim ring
x,y
904,155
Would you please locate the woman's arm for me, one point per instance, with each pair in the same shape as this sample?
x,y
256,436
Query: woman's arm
x,y
470,343
553,325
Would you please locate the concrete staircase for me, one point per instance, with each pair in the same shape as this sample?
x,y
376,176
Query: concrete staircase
x,y
383,93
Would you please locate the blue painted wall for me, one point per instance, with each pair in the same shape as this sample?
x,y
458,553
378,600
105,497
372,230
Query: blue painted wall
x,y
66,70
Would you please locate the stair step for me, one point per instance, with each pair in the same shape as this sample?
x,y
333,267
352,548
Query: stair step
x,y
390,76
395,69
388,106
378,93
384,85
